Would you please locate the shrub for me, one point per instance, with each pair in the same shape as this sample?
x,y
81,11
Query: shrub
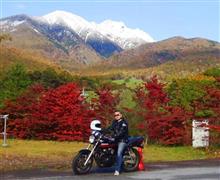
x,y
56,114
164,124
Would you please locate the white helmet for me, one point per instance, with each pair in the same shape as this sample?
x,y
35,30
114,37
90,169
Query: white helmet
x,y
95,125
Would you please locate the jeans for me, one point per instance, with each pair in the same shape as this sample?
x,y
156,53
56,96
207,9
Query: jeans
x,y
121,147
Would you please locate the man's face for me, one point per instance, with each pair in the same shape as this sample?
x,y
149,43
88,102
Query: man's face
x,y
117,115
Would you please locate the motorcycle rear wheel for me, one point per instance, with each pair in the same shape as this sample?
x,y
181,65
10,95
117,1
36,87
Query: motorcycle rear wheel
x,y
130,163
78,163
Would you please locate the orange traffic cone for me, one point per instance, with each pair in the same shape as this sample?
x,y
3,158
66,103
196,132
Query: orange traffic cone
x,y
141,163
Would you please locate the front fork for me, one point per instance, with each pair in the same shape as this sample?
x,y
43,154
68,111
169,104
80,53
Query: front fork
x,y
88,146
90,154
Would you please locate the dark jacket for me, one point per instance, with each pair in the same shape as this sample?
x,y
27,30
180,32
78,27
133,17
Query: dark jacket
x,y
120,130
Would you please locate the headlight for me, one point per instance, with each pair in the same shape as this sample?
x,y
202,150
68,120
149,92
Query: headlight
x,y
91,139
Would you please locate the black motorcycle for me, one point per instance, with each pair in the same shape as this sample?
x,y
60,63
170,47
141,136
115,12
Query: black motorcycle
x,y
103,150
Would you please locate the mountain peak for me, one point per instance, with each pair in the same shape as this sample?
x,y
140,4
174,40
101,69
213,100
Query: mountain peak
x,y
109,22
183,40
126,37
62,14
19,17
73,21
177,38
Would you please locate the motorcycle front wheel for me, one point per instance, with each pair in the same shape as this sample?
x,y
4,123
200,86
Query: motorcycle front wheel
x,y
78,166
131,160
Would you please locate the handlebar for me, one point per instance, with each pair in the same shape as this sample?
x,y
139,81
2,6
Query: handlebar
x,y
107,138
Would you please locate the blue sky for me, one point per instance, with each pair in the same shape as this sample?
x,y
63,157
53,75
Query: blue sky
x,y
162,19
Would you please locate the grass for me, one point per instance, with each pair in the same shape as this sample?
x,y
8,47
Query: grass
x,y
160,153
28,154
131,83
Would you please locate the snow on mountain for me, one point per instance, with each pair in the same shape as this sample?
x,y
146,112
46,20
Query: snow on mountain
x,y
74,22
82,27
86,30
127,38
10,25
115,31
106,38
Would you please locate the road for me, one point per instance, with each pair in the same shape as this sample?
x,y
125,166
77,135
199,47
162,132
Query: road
x,y
183,170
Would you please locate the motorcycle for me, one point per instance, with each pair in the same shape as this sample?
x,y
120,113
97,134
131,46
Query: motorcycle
x,y
103,150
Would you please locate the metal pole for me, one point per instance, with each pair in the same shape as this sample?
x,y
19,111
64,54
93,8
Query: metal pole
x,y
5,117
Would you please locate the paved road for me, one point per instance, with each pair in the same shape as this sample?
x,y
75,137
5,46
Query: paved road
x,y
184,170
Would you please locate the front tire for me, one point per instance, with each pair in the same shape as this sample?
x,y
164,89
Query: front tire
x,y
131,160
78,163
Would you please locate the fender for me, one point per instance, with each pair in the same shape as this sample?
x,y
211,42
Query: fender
x,y
84,151
136,141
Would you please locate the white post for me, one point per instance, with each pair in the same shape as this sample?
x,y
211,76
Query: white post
x,y
5,117
200,134
83,92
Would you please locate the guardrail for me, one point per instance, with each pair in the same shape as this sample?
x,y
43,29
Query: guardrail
x,y
5,117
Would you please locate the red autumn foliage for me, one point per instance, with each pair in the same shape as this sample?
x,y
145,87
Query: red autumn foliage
x,y
105,105
62,114
164,124
211,102
20,111
59,114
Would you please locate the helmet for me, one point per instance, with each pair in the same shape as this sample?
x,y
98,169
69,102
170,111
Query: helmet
x,y
95,125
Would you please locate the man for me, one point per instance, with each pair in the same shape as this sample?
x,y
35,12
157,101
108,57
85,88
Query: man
x,y
120,128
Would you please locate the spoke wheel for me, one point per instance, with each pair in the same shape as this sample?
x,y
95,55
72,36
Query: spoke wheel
x,y
78,166
131,160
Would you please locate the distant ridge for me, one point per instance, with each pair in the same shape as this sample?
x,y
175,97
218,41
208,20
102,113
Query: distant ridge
x,y
105,47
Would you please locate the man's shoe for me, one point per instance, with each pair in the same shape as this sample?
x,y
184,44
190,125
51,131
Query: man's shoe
x,y
116,173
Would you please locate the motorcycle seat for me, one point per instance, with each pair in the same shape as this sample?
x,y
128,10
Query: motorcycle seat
x,y
132,140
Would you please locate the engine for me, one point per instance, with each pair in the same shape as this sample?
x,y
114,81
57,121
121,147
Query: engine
x,y
104,157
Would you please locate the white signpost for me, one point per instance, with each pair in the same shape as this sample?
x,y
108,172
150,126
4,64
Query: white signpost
x,y
200,133
5,117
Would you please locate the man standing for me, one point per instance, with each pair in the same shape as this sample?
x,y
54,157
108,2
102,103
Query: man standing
x,y
120,128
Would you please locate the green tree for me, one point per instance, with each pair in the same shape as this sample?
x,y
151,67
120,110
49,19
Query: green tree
x,y
183,92
49,78
13,83
215,72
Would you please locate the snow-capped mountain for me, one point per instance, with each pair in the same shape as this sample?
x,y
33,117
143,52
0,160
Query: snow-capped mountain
x,y
10,24
86,30
117,32
125,37
56,42
76,23
56,33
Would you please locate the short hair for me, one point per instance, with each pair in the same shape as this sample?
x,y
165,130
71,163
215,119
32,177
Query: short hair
x,y
118,112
